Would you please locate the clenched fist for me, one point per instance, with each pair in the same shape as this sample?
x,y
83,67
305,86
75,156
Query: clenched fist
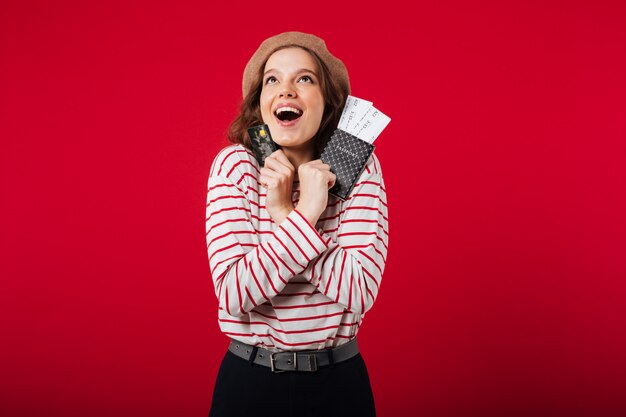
x,y
277,177
315,181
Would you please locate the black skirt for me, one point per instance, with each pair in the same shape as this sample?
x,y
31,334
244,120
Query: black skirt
x,y
243,390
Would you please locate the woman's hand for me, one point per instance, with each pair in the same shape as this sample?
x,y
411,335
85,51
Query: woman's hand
x,y
315,181
277,177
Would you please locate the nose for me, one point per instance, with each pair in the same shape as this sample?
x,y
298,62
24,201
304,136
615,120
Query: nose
x,y
287,91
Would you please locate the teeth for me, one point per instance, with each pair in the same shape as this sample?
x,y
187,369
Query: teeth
x,y
291,109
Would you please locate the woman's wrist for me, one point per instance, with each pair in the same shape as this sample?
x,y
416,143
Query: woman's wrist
x,y
282,214
310,217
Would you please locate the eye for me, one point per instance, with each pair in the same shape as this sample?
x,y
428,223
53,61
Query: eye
x,y
306,79
270,80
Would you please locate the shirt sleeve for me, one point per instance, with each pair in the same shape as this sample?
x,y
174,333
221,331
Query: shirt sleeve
x,y
245,271
351,269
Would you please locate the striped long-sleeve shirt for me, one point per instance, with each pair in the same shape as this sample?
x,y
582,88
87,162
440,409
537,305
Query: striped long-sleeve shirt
x,y
292,286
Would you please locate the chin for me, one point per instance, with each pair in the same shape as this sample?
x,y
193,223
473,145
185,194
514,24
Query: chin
x,y
288,138
292,143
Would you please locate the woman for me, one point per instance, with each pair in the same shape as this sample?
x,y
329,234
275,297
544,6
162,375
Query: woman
x,y
295,269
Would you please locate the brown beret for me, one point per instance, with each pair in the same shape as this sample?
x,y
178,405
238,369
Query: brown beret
x,y
337,69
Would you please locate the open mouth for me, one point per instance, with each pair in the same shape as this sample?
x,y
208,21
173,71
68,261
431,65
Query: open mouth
x,y
287,114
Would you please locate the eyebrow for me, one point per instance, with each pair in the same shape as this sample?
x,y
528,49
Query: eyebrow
x,y
297,71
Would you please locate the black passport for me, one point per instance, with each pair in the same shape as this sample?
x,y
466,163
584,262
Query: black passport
x,y
347,156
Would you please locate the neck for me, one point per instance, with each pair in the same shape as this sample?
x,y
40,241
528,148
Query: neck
x,y
299,155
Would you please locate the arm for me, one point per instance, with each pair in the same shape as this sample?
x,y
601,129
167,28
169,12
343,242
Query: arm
x,y
350,271
245,272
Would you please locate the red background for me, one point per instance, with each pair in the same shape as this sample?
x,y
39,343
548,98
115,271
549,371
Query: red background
x,y
505,170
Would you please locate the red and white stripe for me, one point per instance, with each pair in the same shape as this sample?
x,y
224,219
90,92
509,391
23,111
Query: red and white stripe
x,y
292,286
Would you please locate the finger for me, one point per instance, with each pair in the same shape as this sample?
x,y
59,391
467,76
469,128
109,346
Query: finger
x,y
277,152
272,184
332,178
320,168
280,156
319,164
268,182
263,181
270,173
278,166
313,162
272,179
266,176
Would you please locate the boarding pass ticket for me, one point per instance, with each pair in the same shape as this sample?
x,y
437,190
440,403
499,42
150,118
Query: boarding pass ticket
x,y
361,119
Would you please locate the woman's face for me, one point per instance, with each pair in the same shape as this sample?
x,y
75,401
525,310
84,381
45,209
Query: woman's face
x,y
292,103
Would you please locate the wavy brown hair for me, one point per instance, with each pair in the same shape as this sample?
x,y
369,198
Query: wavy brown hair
x,y
250,111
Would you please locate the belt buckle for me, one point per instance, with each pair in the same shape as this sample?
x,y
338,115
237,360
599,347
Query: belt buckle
x,y
278,371
312,363
311,359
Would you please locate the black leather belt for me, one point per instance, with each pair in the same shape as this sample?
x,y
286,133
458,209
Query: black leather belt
x,y
302,361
